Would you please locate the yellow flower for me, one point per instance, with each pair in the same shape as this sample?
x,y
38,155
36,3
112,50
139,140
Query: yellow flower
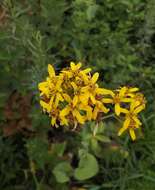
x,y
99,108
117,98
139,99
73,97
73,71
91,90
79,96
46,107
74,112
130,91
75,67
57,93
51,88
52,110
51,71
44,89
131,119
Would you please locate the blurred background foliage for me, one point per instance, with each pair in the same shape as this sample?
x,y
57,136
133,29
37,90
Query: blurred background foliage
x,y
115,38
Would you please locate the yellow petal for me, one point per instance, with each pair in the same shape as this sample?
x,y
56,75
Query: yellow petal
x,y
133,89
51,101
75,67
72,65
69,74
122,91
53,121
51,71
104,109
137,126
58,98
95,78
78,66
139,109
88,110
58,84
89,113
44,88
45,92
136,103
45,105
84,77
123,110
78,116
64,121
95,112
42,85
85,89
132,134
61,97
65,111
137,120
104,91
133,104
126,99
131,95
75,87
67,98
84,98
125,127
92,99
75,100
117,109
86,70
107,100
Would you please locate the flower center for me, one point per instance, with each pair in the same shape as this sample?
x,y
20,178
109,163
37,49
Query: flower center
x,y
116,99
132,124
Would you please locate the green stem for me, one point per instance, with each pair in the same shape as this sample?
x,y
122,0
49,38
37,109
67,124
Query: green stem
x,y
36,182
108,116
112,115
118,119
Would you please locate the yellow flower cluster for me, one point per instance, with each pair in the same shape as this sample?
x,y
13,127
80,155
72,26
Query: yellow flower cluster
x,y
128,102
73,97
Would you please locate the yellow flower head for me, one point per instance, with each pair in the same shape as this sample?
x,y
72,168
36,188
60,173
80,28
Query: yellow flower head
x,y
132,121
73,96
118,97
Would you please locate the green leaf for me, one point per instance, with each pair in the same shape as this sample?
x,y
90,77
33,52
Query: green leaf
x,y
62,172
59,148
91,11
96,148
38,151
101,127
103,138
3,98
88,167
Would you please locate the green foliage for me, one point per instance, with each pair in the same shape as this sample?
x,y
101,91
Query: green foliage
x,y
38,151
88,166
115,38
62,171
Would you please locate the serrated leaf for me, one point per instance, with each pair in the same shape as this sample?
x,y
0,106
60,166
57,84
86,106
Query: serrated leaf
x,y
88,167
